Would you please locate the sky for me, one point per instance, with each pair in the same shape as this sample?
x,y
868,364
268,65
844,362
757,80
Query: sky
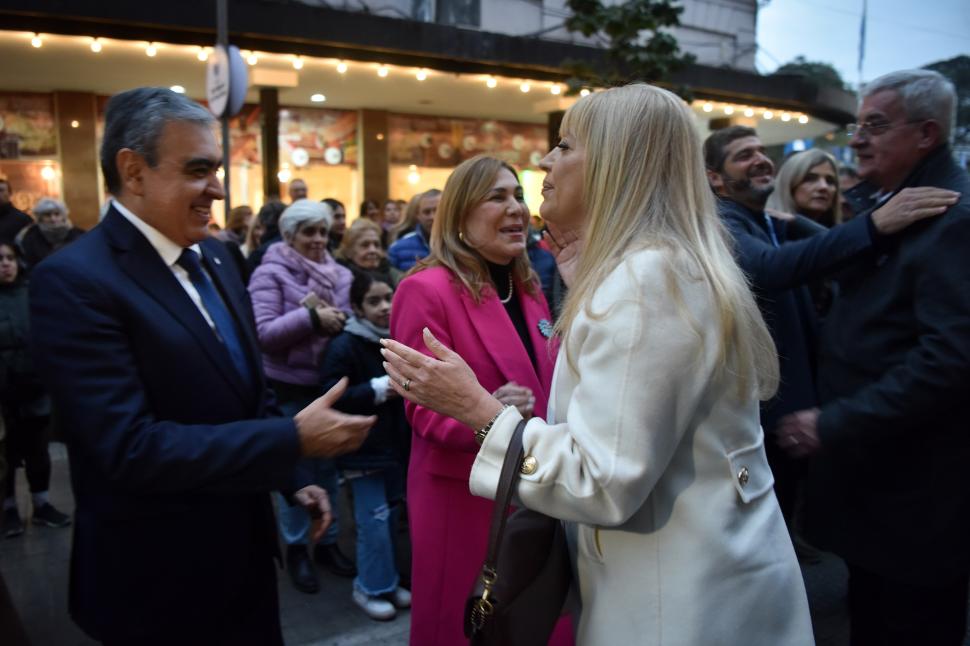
x,y
900,34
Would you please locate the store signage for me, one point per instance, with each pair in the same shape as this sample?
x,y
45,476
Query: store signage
x,y
226,81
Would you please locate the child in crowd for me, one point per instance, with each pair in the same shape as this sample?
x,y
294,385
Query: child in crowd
x,y
376,470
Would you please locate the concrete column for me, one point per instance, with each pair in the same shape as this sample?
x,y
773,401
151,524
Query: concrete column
x,y
374,158
269,117
78,153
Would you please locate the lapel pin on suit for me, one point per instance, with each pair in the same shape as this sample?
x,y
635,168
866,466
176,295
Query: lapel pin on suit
x,y
217,261
545,328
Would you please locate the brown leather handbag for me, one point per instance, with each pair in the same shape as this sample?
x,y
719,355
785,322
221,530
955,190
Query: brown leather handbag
x,y
525,579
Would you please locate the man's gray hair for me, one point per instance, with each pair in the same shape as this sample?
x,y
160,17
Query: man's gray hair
x,y
135,119
49,205
925,95
301,213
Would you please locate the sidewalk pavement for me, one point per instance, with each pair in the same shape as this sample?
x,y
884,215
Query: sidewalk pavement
x,y
35,567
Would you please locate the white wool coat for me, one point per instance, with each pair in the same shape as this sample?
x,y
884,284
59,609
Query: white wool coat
x,y
659,470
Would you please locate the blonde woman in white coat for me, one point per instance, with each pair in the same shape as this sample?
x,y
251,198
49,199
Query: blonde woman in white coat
x,y
651,451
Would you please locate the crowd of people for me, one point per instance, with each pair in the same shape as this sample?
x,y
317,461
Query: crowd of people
x,y
725,369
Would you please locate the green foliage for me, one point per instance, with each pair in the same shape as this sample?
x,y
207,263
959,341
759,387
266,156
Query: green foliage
x,y
822,73
957,70
637,49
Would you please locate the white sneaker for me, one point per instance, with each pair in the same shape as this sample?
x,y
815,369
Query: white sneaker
x,y
375,607
401,598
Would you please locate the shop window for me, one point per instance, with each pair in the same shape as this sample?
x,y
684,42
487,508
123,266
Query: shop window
x,y
28,147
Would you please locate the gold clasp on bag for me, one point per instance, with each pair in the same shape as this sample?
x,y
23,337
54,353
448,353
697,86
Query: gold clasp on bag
x,y
484,607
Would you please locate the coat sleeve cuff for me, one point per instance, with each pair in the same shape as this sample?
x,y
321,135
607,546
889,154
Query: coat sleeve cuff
x,y
488,463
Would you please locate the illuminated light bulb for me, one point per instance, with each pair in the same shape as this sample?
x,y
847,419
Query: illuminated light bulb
x,y
221,173
284,175
786,117
525,87
75,124
584,92
252,59
341,67
555,89
708,107
728,110
803,119
491,82
298,63
413,177
318,98
421,75
202,54
96,45
151,50
178,89
748,112
48,173
769,114
36,41
382,71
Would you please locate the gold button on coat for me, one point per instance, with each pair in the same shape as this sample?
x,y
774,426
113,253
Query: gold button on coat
x,y
743,476
529,465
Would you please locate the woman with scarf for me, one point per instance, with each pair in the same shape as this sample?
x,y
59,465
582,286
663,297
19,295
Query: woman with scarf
x,y
52,231
301,298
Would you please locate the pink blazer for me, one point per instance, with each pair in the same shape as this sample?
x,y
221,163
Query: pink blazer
x,y
484,336
449,526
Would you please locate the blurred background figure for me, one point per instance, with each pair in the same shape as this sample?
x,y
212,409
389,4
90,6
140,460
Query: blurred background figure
x,y
371,210
234,237
297,190
301,298
269,217
361,251
412,247
848,180
338,224
12,219
808,184
409,220
52,231
26,406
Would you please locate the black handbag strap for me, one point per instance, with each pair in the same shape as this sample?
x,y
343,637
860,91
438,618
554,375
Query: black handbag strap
x,y
507,479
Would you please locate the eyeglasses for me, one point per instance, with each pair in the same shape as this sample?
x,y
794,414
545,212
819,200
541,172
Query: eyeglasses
x,y
874,128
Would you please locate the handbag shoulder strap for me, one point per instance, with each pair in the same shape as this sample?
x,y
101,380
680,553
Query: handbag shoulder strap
x,y
507,479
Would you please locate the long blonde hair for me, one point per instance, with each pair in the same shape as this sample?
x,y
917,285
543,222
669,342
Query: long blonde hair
x,y
645,187
466,188
793,172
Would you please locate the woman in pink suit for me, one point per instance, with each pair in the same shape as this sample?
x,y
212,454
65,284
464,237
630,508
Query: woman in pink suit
x,y
478,294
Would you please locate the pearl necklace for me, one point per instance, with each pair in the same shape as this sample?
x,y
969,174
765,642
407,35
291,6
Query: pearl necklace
x,y
511,287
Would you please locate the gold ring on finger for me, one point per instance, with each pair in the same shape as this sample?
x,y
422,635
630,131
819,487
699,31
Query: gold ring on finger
x,y
407,384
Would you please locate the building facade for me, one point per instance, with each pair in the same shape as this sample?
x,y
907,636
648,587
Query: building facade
x,y
366,99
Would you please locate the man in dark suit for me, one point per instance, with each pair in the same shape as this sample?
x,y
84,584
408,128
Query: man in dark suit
x,y
781,254
892,490
143,333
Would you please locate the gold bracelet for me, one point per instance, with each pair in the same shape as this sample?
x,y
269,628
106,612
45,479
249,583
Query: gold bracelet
x,y
483,431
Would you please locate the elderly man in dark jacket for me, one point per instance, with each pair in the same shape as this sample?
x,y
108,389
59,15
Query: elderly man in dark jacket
x,y
781,254
892,496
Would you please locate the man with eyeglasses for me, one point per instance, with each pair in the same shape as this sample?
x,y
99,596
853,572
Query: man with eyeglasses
x,y
890,489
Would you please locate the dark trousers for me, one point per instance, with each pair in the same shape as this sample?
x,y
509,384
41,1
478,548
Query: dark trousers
x,y
26,444
884,612
252,620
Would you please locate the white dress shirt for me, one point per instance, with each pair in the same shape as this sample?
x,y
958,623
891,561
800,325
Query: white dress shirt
x,y
169,252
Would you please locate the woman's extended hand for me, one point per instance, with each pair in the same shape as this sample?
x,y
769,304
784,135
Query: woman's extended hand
x,y
444,383
566,247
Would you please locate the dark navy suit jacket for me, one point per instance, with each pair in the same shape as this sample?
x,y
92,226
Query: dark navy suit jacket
x,y
779,277
171,452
